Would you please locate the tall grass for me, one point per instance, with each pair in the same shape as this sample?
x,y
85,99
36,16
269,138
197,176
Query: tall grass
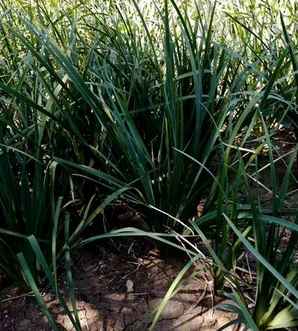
x,y
155,104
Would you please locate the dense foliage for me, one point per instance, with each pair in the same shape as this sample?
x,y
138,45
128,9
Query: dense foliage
x,y
160,105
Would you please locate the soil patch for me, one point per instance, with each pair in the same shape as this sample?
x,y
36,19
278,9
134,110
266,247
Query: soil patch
x,y
121,292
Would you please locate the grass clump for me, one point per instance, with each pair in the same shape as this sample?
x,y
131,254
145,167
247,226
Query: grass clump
x,y
155,105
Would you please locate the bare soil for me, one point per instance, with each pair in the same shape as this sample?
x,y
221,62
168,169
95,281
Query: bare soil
x,y
121,292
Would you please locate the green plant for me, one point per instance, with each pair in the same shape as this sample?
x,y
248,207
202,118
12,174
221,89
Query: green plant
x,y
277,277
25,201
155,105
34,125
50,271
185,108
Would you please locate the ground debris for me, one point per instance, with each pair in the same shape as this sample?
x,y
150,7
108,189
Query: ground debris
x,y
121,293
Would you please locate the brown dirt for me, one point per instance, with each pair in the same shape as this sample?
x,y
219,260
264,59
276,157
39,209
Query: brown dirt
x,y
117,292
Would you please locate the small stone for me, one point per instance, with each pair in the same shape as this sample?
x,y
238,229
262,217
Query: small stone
x,y
129,286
